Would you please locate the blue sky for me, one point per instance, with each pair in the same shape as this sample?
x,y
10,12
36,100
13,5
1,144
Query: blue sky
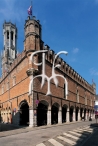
x,y
70,25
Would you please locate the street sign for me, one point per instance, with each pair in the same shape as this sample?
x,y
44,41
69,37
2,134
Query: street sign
x,y
14,109
37,102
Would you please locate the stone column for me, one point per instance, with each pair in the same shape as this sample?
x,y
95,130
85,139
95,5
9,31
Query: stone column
x,y
2,116
32,112
49,116
93,115
60,116
32,117
74,115
90,113
79,118
6,117
67,115
86,115
83,113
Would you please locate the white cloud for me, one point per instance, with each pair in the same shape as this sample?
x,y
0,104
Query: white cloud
x,y
93,72
75,50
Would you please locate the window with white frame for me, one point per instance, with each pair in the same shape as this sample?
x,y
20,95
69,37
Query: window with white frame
x,y
91,102
65,90
77,96
85,100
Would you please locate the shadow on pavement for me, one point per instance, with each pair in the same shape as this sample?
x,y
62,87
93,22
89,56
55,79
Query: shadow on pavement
x,y
8,127
87,135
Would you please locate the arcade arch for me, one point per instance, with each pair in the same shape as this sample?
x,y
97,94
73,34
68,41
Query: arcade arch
x,y
54,113
81,113
24,113
71,113
64,113
77,112
42,113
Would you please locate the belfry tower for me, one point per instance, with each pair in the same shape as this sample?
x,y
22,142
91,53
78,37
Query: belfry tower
x,y
10,45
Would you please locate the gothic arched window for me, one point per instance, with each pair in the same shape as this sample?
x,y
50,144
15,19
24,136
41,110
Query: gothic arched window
x,y
77,96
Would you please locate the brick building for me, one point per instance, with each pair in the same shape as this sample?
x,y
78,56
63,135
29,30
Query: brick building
x,y
68,102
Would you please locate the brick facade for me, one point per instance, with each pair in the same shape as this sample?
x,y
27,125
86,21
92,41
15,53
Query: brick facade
x,y
14,85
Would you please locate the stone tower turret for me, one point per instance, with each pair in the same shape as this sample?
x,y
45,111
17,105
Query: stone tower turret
x,y
32,34
10,45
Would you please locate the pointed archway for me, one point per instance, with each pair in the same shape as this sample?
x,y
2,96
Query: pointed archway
x,y
64,113
54,113
81,112
77,110
71,113
85,114
42,113
24,113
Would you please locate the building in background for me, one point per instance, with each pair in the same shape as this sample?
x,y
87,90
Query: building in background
x,y
37,109
96,100
96,106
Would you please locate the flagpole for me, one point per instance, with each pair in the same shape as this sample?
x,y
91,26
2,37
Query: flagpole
x,y
32,7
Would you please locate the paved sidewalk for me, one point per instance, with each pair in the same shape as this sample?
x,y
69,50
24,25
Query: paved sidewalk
x,y
17,129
